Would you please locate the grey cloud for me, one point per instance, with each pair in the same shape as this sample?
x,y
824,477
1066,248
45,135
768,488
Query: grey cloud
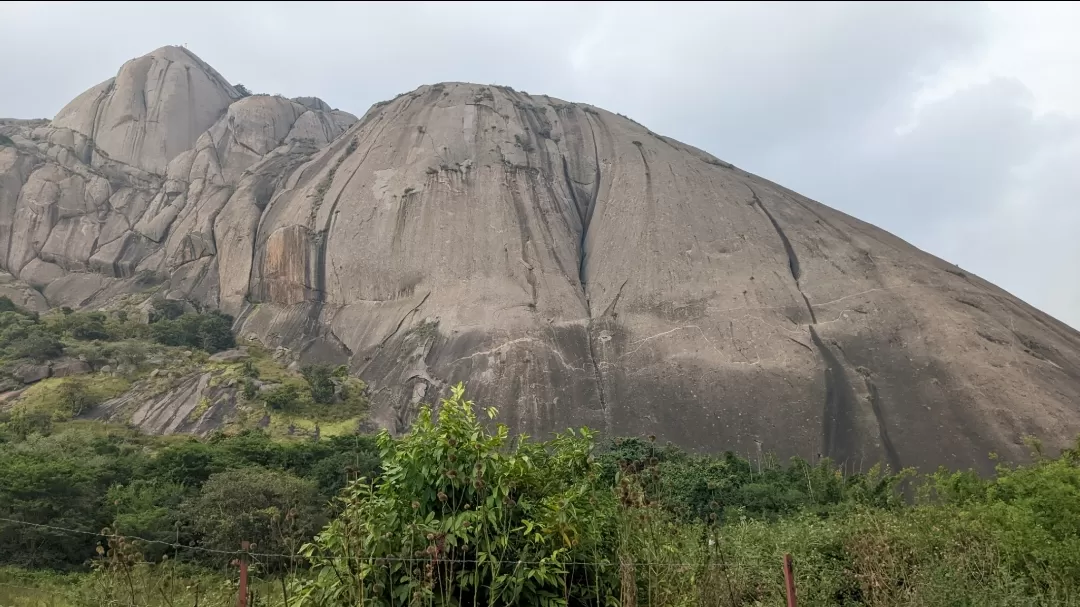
x,y
808,95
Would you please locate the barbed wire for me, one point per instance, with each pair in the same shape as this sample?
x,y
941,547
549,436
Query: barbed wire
x,y
367,559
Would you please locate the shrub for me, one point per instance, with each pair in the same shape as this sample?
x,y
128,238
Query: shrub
x,y
501,521
319,382
282,397
23,423
86,326
149,509
211,332
38,345
166,309
249,390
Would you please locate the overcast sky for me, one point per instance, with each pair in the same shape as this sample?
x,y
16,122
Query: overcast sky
x,y
955,126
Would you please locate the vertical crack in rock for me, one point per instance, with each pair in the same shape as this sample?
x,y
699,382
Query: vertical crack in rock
x,y
590,208
839,429
323,235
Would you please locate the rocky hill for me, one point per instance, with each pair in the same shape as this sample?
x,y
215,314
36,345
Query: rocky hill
x,y
572,266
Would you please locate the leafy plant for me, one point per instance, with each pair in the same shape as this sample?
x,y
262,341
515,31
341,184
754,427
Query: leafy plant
x,y
319,382
276,509
282,397
211,331
463,515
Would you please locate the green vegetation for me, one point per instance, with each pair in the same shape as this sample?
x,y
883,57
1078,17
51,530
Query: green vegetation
x,y
170,325
64,398
87,476
454,494
457,512
5,140
97,336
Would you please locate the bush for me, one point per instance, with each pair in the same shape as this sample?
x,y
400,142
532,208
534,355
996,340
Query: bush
x,y
38,345
276,508
211,332
282,397
249,390
517,519
149,509
215,332
74,398
22,423
86,326
319,382
166,309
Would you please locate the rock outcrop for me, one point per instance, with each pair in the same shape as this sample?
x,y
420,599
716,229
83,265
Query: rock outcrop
x,y
572,266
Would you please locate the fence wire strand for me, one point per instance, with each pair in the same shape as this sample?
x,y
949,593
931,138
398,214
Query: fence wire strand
x,y
367,559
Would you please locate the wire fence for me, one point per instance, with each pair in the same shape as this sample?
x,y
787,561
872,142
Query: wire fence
x,y
241,558
358,558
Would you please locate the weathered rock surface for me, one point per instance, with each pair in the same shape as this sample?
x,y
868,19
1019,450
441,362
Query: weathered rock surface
x,y
572,266
228,356
67,368
30,373
195,403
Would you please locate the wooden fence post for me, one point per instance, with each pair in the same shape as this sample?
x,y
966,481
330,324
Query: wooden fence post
x,y
241,601
789,581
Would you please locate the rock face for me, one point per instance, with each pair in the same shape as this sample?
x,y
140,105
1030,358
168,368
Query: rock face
x,y
573,267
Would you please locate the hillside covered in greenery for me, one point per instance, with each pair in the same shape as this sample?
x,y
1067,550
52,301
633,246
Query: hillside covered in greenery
x,y
457,512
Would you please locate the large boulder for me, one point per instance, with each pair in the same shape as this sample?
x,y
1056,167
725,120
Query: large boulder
x,y
572,266
154,109
67,368
30,373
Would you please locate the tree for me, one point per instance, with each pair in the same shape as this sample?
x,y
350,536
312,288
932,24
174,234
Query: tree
x,y
86,326
276,510
73,397
38,345
166,309
282,397
215,332
167,333
319,382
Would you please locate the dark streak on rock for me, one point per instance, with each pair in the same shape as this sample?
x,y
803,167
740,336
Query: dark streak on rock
x,y
839,429
891,456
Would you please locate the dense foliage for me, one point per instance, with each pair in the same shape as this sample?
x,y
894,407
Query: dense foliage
x,y
31,337
204,493
457,512
171,325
